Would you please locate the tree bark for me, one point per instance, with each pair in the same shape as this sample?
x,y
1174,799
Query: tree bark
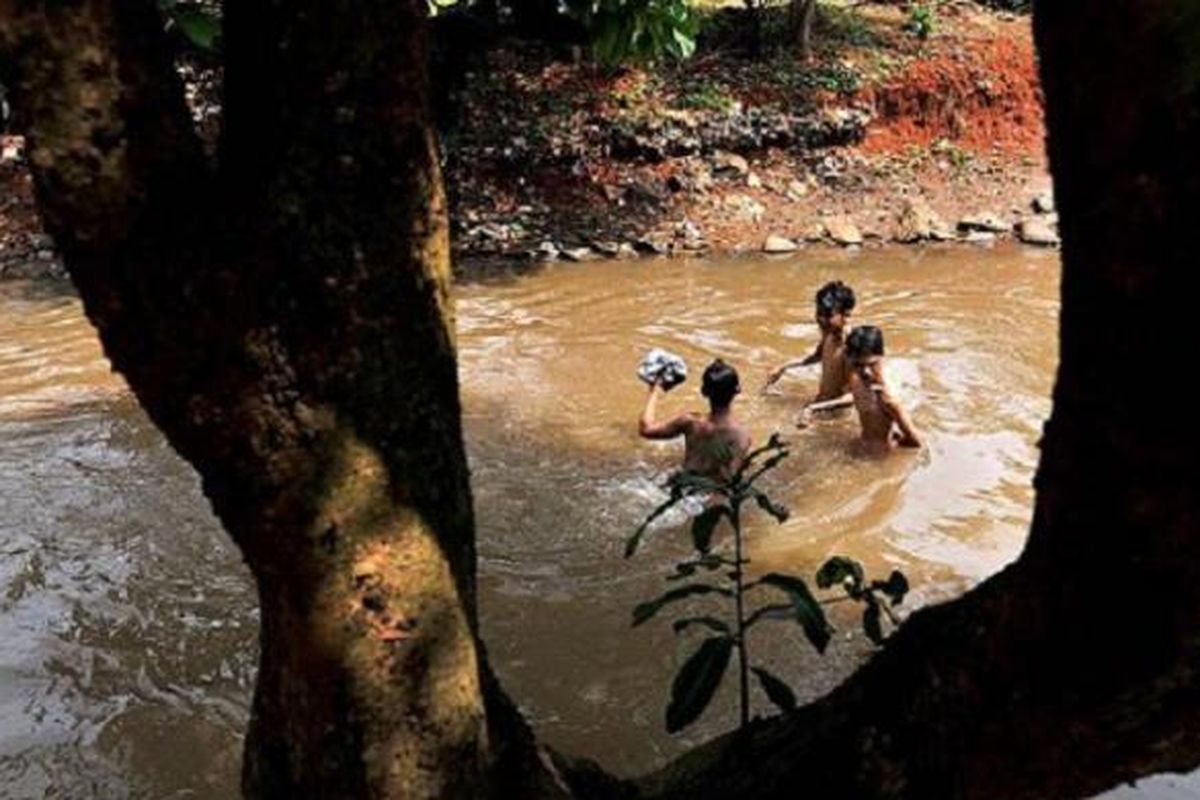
x,y
285,320
802,13
1074,669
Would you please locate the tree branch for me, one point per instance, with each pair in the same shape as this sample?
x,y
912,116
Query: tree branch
x,y
109,137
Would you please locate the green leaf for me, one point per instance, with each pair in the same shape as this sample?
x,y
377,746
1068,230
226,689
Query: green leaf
x,y
704,526
646,610
837,569
808,611
697,682
895,587
777,510
871,622
777,691
200,27
712,623
686,569
776,611
773,444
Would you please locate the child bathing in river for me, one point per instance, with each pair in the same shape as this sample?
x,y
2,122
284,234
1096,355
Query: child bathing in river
x,y
835,301
884,423
714,443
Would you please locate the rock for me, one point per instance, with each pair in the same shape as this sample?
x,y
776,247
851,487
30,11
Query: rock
x,y
779,244
626,250
651,246
981,238
942,235
843,231
1037,232
986,222
12,149
745,208
45,255
686,229
614,194
641,191
917,222
753,181
730,164
578,254
814,232
796,190
546,251
608,249
492,231
1044,203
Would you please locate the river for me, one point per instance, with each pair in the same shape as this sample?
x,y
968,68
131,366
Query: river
x,y
128,621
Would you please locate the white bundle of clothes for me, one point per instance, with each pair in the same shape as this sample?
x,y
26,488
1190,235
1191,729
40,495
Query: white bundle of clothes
x,y
666,368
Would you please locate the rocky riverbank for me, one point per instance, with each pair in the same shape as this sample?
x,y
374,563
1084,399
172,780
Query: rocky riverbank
x,y
885,137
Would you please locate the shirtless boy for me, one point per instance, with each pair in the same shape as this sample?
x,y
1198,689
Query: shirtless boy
x,y
884,423
835,302
714,443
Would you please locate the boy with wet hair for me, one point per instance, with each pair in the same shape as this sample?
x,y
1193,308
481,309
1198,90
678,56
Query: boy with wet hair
x,y
835,301
884,423
714,443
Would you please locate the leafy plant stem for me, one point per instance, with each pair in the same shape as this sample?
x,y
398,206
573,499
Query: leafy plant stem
x,y
738,591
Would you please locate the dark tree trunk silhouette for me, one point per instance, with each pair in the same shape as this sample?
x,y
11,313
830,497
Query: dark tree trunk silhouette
x,y
283,317
1074,668
801,14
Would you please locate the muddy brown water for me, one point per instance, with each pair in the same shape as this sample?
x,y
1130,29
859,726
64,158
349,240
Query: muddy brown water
x,y
128,622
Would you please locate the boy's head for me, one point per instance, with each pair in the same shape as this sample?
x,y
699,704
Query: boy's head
x,y
864,345
720,385
835,301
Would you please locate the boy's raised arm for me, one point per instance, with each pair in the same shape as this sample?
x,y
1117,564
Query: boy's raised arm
x,y
650,428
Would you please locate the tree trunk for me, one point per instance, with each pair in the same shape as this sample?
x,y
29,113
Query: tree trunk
x,y
285,321
802,13
1074,669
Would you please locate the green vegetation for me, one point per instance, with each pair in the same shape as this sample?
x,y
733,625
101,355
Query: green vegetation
x,y
198,22
922,20
724,576
623,31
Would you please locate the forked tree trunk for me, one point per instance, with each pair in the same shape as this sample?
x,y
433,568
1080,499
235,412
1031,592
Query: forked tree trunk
x,y
285,320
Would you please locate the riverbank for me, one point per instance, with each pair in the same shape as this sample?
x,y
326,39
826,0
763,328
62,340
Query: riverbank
x,y
884,137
